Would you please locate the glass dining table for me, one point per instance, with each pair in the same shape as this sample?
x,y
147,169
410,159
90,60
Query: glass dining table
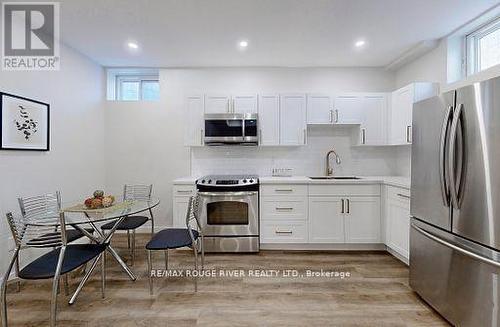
x,y
80,217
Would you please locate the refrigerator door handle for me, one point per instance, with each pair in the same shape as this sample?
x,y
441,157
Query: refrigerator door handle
x,y
453,155
443,178
456,248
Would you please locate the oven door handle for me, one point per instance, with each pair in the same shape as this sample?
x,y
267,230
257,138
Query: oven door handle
x,y
225,194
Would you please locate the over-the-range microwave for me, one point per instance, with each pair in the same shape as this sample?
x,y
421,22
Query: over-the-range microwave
x,y
231,129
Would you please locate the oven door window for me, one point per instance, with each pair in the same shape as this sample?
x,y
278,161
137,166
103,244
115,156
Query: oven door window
x,y
250,127
227,213
217,128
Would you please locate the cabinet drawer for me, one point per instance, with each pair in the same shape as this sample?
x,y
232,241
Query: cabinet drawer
x,y
398,194
277,232
273,208
345,190
183,190
284,189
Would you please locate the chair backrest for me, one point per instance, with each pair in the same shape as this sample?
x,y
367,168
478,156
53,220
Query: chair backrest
x,y
192,217
46,205
137,192
37,231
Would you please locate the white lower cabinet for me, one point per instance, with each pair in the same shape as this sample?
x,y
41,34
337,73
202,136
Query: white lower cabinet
x,y
362,220
180,204
283,232
283,213
326,220
397,227
348,219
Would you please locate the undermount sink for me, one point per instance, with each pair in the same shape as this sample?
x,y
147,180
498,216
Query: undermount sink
x,y
335,177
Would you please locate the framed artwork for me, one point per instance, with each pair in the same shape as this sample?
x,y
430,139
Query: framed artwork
x,y
25,123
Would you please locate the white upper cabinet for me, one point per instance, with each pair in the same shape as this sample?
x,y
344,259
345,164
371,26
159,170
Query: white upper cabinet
x,y
221,104
194,123
217,104
374,116
244,104
348,109
320,109
293,127
269,119
400,118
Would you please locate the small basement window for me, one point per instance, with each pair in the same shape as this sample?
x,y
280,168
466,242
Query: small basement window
x,y
133,85
483,47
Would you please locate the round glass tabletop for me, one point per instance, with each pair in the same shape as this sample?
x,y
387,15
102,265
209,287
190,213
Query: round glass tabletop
x,y
79,214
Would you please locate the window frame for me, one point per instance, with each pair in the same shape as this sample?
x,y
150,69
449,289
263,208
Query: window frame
x,y
473,50
133,78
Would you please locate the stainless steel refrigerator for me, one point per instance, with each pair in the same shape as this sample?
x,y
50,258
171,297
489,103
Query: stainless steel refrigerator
x,y
455,204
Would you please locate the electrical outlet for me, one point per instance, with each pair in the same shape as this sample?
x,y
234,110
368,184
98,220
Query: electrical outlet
x,y
282,172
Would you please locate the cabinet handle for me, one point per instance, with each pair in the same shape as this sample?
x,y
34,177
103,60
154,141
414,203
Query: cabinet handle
x,y
289,232
403,196
336,115
348,206
363,136
284,208
184,191
201,136
342,210
283,190
408,134
260,135
305,136
331,116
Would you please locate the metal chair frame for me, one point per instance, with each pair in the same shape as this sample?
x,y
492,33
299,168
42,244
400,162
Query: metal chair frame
x,y
137,192
41,232
45,204
196,243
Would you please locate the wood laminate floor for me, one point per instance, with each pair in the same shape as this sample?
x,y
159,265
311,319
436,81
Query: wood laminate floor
x,y
375,294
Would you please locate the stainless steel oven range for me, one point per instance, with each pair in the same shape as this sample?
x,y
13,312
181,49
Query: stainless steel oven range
x,y
229,212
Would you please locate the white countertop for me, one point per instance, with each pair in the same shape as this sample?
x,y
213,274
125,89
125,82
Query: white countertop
x,y
185,180
399,181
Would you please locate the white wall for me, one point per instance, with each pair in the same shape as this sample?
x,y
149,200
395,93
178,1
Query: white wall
x,y
144,141
74,165
431,67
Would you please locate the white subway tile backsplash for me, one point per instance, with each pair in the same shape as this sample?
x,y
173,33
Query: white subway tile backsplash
x,y
303,160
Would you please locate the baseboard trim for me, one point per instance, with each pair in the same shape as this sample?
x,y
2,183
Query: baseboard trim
x,y
324,246
398,256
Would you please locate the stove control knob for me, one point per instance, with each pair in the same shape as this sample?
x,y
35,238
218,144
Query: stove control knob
x,y
209,181
244,181
251,181
203,181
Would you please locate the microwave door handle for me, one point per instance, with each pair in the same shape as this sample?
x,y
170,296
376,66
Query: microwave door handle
x,y
452,156
443,177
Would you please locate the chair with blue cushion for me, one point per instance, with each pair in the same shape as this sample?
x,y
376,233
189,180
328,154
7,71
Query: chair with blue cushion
x,y
131,223
45,232
174,238
47,205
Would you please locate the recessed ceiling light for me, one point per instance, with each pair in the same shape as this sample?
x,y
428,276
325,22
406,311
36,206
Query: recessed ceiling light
x,y
133,45
243,44
359,43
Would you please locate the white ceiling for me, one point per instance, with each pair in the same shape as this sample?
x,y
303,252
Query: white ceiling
x,y
175,33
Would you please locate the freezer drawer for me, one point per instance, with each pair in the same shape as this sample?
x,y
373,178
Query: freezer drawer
x,y
461,283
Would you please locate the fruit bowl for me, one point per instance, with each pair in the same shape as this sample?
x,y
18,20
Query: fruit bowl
x,y
99,200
